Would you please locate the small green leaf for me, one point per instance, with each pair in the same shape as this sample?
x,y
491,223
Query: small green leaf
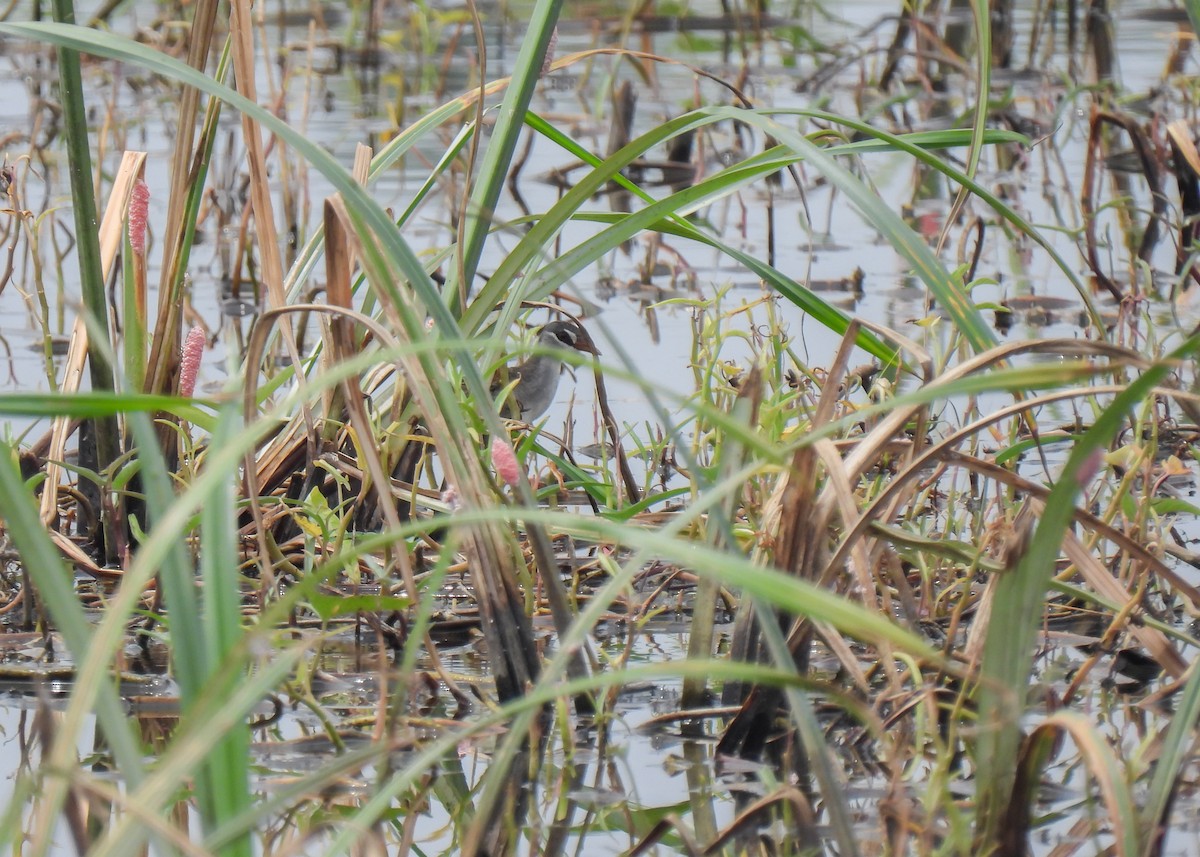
x,y
331,606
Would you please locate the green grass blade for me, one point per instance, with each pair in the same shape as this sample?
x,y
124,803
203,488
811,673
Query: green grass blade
x,y
981,10
531,249
1193,13
226,777
177,575
214,717
444,163
89,405
502,144
83,199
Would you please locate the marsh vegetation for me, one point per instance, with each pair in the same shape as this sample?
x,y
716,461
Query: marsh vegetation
x,y
860,519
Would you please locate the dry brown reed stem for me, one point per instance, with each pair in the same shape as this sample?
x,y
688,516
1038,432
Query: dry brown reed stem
x,y
877,510
1077,837
632,492
1102,581
45,724
817,512
838,492
339,263
129,172
866,452
75,555
310,77
167,333
1106,647
255,348
241,33
825,452
890,498
841,494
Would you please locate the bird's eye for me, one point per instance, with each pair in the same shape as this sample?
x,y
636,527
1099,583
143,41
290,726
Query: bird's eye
x,y
566,337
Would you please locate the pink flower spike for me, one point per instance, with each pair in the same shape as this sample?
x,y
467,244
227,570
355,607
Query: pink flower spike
x,y
189,367
451,499
139,207
504,459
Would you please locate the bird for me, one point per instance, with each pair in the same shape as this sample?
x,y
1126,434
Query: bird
x,y
537,377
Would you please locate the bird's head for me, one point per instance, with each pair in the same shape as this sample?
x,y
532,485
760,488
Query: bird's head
x,y
567,334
